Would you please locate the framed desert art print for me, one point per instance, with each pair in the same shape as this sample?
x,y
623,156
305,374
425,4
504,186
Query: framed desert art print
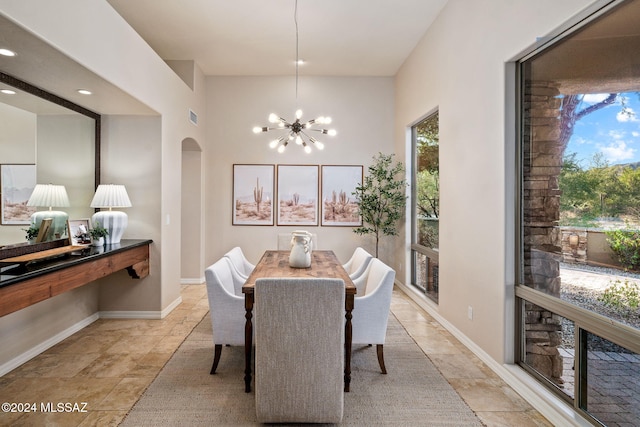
x,y
253,194
17,183
339,206
298,194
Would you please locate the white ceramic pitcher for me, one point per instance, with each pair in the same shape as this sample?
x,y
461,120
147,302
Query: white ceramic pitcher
x,y
300,256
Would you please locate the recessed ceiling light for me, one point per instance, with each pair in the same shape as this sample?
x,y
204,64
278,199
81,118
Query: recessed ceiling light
x,y
7,52
84,91
8,91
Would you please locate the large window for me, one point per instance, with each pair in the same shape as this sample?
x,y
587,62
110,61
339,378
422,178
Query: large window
x,y
426,206
579,269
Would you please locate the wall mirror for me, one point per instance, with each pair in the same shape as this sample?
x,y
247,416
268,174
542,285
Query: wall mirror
x,y
61,139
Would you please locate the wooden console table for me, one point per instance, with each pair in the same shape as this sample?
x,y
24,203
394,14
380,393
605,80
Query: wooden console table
x,y
22,285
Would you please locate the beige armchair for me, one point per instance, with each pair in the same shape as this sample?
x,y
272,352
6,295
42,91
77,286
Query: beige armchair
x,y
358,263
299,350
239,262
226,306
371,307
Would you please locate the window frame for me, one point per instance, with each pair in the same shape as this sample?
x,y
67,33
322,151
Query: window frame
x,y
584,320
417,249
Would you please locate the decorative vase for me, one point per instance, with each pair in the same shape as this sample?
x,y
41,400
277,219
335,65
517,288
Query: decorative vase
x,y
97,242
300,256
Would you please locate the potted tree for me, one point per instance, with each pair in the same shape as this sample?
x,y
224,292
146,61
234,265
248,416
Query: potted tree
x,y
98,234
381,198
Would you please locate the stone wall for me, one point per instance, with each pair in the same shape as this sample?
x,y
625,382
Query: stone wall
x,y
542,163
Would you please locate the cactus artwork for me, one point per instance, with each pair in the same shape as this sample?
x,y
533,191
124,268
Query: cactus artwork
x,y
338,207
298,194
252,194
257,195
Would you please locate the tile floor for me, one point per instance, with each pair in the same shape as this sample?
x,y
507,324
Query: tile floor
x,y
110,363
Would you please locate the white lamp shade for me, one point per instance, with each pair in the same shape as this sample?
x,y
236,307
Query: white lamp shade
x,y
111,196
49,195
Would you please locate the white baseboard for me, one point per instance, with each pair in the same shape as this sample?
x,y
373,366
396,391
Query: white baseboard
x,y
199,281
47,344
141,314
556,410
50,342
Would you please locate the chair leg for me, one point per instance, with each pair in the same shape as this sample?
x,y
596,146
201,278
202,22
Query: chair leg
x,y
216,358
381,358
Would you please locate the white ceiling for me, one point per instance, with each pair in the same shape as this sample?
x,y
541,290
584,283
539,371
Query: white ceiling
x,y
231,38
258,37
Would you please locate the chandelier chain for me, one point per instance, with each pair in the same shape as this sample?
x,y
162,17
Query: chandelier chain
x,y
295,20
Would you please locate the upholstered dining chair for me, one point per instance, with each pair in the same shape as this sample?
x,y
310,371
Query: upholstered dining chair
x,y
239,262
226,306
299,350
371,307
358,263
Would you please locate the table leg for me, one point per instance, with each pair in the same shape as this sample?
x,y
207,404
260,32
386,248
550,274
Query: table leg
x,y
248,338
347,341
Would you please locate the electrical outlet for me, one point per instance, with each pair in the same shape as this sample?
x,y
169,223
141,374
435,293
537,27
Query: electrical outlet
x,y
470,312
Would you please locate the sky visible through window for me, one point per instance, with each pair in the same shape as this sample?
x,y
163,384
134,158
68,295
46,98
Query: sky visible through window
x,y
613,131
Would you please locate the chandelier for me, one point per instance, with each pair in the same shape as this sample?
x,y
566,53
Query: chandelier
x,y
296,131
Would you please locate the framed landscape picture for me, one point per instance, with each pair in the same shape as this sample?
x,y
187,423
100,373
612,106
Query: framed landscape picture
x,y
298,194
253,194
17,183
339,207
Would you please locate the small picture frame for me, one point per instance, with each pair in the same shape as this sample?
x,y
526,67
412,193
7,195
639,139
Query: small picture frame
x,y
79,231
339,206
298,194
45,233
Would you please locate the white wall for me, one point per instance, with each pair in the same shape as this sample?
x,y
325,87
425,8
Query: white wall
x,y
17,145
192,251
144,154
17,135
362,112
65,156
459,68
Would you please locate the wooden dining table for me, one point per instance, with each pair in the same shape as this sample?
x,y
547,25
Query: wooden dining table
x,y
324,264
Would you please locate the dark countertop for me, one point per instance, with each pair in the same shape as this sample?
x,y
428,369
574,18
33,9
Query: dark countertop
x,y
16,273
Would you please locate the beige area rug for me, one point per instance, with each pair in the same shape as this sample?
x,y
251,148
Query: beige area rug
x,y
412,393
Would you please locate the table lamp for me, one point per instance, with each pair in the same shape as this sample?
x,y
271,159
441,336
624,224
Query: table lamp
x,y
49,195
111,196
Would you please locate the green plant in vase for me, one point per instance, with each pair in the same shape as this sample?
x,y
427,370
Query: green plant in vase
x,y
98,233
31,233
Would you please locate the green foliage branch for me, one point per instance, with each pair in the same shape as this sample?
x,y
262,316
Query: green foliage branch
x,y
98,231
598,190
622,296
625,244
31,232
381,198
